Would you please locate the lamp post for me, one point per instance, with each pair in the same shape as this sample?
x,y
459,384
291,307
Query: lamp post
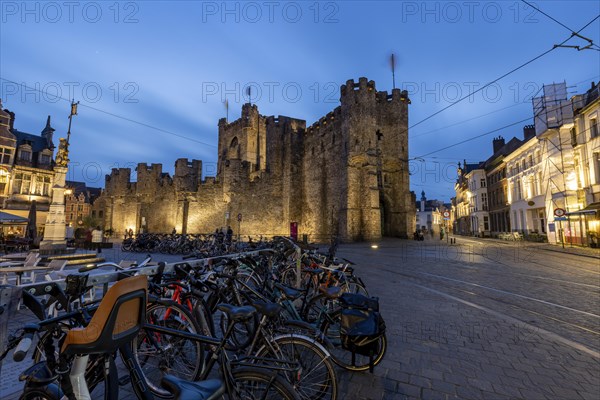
x,y
55,229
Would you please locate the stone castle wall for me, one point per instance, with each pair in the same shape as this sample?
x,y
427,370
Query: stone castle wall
x,y
346,175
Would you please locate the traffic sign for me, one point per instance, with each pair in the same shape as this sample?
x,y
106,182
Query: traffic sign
x,y
559,212
446,214
560,218
239,216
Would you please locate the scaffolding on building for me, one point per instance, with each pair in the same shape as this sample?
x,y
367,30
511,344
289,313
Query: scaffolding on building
x,y
553,111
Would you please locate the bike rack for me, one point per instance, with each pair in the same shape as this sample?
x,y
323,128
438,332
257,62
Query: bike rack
x,y
10,295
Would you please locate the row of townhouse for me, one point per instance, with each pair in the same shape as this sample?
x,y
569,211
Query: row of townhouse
x,y
429,216
545,186
26,181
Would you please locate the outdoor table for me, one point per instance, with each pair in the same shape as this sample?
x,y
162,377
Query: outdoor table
x,y
15,257
19,271
10,263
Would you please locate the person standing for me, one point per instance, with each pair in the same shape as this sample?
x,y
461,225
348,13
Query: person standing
x,y
97,239
229,235
88,239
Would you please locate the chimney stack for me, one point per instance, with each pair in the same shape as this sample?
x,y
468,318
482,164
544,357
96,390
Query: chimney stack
x,y
528,132
498,143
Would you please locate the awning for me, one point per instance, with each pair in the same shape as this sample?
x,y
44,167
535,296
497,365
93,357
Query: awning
x,y
591,209
6,218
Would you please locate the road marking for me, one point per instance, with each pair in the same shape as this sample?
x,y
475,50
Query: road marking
x,y
568,342
510,293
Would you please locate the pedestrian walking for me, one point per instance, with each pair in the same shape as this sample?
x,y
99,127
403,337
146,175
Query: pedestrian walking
x,y
97,239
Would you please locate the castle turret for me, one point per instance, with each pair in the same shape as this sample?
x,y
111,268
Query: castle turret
x,y
244,139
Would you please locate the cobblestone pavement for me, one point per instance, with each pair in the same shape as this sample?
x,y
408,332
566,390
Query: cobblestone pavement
x,y
481,319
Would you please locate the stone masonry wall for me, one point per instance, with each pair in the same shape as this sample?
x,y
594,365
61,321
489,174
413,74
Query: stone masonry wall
x,y
345,175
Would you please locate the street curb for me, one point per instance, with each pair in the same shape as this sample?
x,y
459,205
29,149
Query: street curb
x,y
573,254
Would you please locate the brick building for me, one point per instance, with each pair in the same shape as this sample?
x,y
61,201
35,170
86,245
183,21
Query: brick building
x,y
78,203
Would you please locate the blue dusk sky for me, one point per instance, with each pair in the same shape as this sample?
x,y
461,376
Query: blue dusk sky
x,y
151,76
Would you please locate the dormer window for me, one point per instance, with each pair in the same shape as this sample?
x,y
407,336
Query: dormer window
x,y
6,155
45,158
25,155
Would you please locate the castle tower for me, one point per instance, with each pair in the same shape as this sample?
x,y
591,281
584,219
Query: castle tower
x,y
244,139
375,126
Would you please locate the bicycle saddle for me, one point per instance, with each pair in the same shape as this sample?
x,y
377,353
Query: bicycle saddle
x,y
185,390
331,292
237,314
269,309
288,292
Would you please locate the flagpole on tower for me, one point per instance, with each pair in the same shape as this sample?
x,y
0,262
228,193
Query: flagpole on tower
x,y
393,64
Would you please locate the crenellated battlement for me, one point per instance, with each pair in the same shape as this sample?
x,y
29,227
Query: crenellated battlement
x,y
326,121
355,93
274,170
396,96
208,181
362,86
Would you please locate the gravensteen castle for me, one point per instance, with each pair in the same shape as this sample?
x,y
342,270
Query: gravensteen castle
x,y
345,175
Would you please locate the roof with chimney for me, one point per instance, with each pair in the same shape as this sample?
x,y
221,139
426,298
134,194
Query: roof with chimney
x,y
90,193
502,149
7,138
11,137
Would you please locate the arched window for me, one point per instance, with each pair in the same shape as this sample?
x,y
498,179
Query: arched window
x,y
234,143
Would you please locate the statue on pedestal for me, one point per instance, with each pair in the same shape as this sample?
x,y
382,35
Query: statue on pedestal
x,y
62,155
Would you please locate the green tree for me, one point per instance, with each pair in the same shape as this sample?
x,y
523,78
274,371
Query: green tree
x,y
90,222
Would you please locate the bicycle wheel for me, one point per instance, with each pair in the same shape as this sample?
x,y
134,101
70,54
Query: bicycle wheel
x,y
160,354
318,305
331,328
100,385
316,379
256,383
49,392
352,285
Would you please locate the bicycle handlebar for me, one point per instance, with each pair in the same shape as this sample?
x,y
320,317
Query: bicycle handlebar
x,y
25,343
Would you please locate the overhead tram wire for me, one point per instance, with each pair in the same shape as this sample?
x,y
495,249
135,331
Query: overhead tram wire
x,y
146,125
493,112
590,41
475,137
501,77
560,143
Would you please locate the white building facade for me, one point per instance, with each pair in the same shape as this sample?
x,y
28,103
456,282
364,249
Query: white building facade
x,y
478,202
526,189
